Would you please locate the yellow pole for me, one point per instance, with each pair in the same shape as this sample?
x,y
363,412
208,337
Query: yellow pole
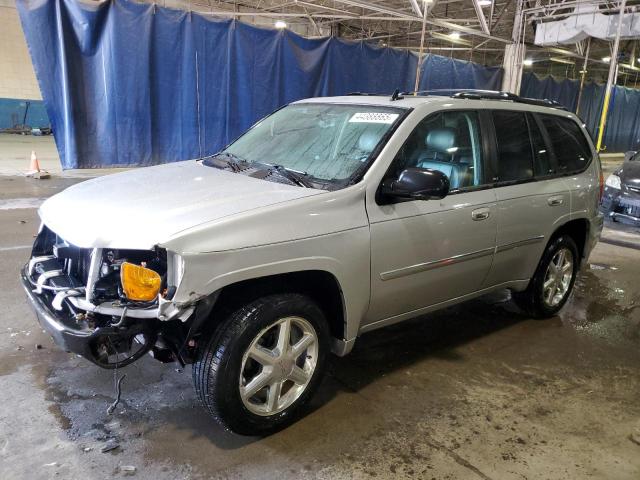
x,y
613,70
603,119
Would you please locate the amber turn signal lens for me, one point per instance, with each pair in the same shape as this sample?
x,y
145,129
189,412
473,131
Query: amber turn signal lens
x,y
139,283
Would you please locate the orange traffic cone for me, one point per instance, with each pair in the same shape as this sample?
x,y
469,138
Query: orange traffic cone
x,y
34,168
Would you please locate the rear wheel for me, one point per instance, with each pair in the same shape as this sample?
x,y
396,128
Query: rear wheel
x,y
262,365
553,281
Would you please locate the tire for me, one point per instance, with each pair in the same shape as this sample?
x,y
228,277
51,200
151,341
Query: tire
x,y
261,325
535,299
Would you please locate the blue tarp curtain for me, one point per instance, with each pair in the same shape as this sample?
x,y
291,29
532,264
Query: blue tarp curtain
x,y
134,84
622,130
448,73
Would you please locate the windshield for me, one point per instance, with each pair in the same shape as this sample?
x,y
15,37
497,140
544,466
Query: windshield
x,y
326,141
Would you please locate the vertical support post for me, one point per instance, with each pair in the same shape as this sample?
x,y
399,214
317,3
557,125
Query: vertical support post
x,y
613,68
583,74
420,55
513,55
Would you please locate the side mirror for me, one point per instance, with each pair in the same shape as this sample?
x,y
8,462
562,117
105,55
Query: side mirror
x,y
629,155
417,184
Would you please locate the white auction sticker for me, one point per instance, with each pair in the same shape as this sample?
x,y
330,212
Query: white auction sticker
x,y
373,117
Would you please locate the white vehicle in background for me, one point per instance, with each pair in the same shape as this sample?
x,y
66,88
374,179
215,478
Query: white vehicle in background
x,y
329,218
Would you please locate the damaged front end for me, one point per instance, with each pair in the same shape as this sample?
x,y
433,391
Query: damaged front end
x,y
110,306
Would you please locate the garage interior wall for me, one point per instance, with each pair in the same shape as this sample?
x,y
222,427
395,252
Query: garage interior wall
x,y
136,84
20,97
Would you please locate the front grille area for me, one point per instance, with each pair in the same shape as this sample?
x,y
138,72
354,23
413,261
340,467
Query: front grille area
x,y
627,210
74,261
59,265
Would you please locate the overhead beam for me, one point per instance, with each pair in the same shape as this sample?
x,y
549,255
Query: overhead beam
x,y
416,7
483,20
500,15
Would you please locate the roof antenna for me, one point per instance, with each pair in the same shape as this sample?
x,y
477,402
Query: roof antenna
x,y
396,95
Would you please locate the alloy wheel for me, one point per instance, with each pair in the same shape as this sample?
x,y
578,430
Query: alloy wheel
x,y
278,365
557,279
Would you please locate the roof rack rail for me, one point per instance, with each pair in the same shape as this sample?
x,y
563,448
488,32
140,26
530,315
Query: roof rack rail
x,y
366,94
446,91
495,95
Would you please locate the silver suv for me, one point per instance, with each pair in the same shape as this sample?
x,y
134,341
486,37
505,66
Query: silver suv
x,y
329,218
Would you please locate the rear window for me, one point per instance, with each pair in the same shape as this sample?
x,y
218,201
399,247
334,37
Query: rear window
x,y
568,142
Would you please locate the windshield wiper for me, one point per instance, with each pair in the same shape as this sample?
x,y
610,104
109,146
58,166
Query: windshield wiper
x,y
299,178
230,159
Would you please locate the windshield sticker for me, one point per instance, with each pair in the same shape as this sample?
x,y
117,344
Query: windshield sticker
x,y
373,117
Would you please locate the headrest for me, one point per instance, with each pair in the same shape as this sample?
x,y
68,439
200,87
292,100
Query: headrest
x,y
368,141
441,139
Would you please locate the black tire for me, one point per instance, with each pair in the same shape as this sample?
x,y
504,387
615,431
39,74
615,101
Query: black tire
x,y
216,372
531,301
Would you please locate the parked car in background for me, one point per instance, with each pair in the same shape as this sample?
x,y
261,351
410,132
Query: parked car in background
x,y
328,219
621,200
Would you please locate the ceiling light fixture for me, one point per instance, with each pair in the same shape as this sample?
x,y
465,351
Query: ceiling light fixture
x,y
455,35
485,3
527,62
281,24
606,59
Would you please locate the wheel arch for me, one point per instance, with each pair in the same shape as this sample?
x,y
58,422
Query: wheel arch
x,y
578,229
322,286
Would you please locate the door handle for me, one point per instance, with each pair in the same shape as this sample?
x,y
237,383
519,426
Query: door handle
x,y
480,214
555,201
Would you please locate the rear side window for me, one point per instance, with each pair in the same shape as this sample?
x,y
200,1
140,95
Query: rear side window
x,y
515,160
571,149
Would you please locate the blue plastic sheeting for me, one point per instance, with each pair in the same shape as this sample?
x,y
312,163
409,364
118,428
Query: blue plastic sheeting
x,y
135,84
622,132
622,129
563,90
12,113
442,72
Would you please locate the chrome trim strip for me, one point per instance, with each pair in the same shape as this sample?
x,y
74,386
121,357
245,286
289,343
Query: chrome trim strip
x,y
61,295
624,215
423,267
108,308
34,260
94,273
519,243
42,279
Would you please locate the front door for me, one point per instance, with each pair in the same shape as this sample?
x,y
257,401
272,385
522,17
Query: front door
x,y
425,252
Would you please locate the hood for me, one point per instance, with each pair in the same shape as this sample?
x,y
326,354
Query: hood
x,y
630,173
141,208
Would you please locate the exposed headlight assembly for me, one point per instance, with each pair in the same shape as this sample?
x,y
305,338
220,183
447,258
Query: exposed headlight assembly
x,y
139,283
613,181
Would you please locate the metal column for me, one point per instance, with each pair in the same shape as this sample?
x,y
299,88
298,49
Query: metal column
x,y
583,74
613,68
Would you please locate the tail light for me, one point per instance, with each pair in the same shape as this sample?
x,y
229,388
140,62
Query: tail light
x,y
601,186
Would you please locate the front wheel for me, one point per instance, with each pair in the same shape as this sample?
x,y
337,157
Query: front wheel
x,y
553,281
263,364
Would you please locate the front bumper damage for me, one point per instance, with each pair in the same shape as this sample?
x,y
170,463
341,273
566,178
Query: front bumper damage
x,y
109,332
81,338
622,205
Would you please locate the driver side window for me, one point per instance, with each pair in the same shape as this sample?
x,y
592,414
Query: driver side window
x,y
449,142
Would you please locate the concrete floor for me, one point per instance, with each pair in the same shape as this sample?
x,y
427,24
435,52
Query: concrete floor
x,y
475,391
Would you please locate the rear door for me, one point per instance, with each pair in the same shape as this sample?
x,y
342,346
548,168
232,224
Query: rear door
x,y
427,252
533,200
573,156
